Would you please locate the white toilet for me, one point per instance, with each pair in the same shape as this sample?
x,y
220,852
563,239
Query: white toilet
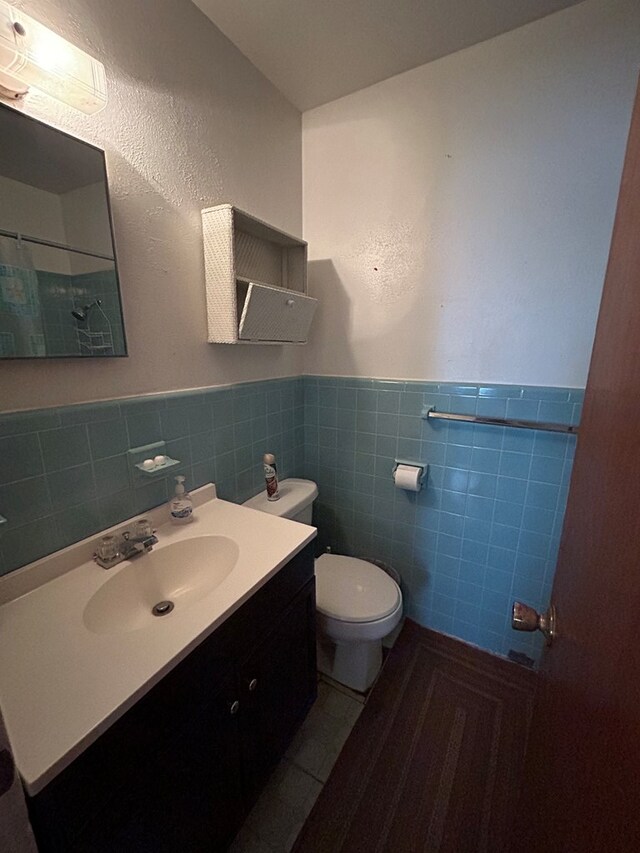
x,y
357,603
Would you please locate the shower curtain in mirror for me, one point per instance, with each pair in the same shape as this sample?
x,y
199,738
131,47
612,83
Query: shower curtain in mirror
x,y
21,323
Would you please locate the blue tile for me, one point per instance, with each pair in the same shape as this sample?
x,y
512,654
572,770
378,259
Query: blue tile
x,y
538,520
454,479
432,452
519,440
510,489
408,427
72,486
485,435
550,444
19,423
25,544
446,565
77,522
202,445
522,410
65,447
502,558
479,507
452,525
445,585
453,502
515,465
20,457
508,513
483,485
411,404
485,461
458,456
542,495
346,419
474,552
367,400
444,604
144,429
108,438
496,602
558,413
366,421
24,501
546,469
346,398
387,424
491,407
496,580
504,536
477,530
110,475
328,397
536,544
388,401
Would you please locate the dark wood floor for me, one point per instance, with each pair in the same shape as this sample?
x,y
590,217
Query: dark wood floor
x,y
434,762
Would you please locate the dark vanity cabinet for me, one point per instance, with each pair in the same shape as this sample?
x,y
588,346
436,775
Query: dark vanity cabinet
x,y
182,768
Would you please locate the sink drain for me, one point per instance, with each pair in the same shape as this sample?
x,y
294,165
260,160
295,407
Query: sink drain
x,y
162,608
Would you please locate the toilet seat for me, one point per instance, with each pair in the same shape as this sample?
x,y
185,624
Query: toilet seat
x,y
353,590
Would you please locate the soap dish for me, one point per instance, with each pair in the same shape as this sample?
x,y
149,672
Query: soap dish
x,y
168,463
138,455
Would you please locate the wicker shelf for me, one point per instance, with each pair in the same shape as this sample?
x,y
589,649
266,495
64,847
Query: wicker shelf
x,y
256,280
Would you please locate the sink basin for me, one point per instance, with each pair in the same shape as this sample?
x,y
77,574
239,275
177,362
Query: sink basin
x,y
181,573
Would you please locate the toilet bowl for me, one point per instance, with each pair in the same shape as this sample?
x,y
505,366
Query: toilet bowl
x,y
357,603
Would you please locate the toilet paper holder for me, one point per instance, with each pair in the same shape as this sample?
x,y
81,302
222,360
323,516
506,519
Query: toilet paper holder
x,y
423,466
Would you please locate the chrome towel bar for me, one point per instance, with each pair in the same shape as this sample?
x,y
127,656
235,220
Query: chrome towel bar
x,y
432,414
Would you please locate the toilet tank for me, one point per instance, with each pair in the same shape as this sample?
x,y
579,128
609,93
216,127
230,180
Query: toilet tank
x,y
295,502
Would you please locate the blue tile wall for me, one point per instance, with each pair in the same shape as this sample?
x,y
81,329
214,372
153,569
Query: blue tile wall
x,y
486,528
483,532
64,473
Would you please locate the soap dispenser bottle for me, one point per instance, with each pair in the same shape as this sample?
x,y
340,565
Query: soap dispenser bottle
x,y
181,505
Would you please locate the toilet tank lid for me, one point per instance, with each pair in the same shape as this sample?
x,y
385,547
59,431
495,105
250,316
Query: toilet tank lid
x,y
295,495
354,590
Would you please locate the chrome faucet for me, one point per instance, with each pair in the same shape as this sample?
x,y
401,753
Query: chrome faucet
x,y
111,551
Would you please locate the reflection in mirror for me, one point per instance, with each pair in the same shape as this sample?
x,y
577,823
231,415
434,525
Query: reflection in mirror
x,y
59,291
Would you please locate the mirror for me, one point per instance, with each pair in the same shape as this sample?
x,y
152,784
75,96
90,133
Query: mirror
x,y
59,290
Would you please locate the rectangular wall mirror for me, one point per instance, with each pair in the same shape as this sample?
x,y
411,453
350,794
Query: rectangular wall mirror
x,y
59,290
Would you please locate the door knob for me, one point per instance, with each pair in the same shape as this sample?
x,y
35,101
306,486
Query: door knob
x,y
252,684
525,618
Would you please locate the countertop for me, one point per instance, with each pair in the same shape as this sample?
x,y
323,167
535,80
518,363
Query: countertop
x,y
61,685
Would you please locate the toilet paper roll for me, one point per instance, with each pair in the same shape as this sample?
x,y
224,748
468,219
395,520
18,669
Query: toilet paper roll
x,y
407,477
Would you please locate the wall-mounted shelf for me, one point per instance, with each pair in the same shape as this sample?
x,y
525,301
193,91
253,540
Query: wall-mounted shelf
x,y
137,455
256,279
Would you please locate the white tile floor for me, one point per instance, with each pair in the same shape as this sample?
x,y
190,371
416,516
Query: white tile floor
x,y
277,817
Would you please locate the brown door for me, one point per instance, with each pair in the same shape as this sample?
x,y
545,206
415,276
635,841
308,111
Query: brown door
x,y
582,782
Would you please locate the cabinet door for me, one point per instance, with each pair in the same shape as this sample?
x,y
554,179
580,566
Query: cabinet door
x,y
278,685
164,778
274,314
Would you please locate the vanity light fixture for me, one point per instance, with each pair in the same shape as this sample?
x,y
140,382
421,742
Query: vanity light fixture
x,y
33,55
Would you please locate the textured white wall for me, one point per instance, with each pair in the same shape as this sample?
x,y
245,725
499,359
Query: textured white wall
x,y
189,123
459,215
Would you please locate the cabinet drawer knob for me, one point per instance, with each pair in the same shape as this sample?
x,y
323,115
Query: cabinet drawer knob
x,y
253,684
234,707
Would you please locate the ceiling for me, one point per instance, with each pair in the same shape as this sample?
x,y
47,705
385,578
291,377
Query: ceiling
x,y
315,51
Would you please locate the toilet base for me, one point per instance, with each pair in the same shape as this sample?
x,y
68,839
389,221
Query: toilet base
x,y
354,664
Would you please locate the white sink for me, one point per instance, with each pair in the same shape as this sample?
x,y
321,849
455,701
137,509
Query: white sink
x,y
181,573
